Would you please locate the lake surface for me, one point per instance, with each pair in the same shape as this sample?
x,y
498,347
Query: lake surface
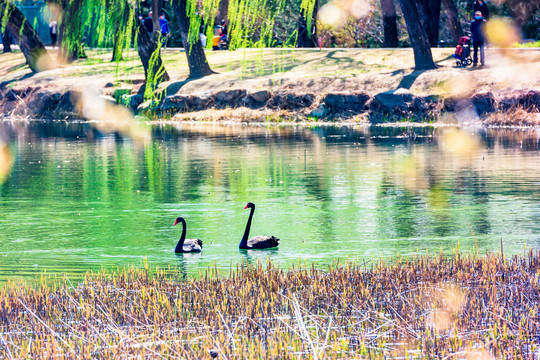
x,y
78,199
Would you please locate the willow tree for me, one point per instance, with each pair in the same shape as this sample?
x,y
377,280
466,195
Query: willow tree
x,y
252,21
307,24
72,23
14,22
390,27
453,19
189,23
121,17
149,51
430,15
251,24
114,22
423,58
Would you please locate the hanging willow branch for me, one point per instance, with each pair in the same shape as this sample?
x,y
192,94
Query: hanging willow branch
x,y
196,18
251,22
307,7
72,25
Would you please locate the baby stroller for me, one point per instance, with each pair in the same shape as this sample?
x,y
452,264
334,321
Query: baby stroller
x,y
463,52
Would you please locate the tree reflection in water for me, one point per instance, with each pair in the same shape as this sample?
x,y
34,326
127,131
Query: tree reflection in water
x,y
78,199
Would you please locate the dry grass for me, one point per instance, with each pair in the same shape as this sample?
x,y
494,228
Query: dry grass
x,y
257,116
465,307
513,118
235,115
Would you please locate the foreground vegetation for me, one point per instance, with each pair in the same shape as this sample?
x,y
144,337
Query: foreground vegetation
x,y
464,306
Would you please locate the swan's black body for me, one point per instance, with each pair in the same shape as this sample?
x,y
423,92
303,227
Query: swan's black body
x,y
186,245
256,242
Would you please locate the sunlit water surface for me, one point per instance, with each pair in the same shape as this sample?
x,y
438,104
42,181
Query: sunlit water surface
x,y
79,200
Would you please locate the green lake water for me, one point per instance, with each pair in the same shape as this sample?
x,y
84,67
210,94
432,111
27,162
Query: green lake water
x,y
79,200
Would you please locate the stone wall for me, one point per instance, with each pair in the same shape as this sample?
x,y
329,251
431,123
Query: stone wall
x,y
388,106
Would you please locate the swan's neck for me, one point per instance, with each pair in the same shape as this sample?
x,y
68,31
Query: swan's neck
x,y
243,243
180,245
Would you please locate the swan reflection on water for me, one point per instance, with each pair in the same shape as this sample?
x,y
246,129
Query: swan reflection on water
x,y
183,262
252,257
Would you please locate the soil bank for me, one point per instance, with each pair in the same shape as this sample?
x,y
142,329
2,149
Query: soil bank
x,y
354,85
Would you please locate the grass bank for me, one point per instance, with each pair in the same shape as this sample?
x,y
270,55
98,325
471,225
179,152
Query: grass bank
x,y
298,70
314,73
465,306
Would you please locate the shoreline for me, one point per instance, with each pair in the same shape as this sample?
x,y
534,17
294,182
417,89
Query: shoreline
x,y
295,124
328,85
505,109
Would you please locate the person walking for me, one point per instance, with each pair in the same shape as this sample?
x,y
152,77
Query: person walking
x,y
149,23
478,37
53,31
480,5
164,25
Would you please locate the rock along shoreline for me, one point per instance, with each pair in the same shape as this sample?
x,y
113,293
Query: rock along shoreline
x,y
516,107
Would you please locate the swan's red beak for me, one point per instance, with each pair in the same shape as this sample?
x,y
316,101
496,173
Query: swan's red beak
x,y
246,207
176,222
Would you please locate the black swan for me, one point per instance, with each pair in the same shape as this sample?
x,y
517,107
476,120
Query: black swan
x,y
186,245
256,242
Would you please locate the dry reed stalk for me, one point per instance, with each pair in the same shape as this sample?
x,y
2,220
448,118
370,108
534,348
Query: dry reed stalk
x,y
429,306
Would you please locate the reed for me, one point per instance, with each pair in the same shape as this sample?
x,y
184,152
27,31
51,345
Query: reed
x,y
516,116
429,306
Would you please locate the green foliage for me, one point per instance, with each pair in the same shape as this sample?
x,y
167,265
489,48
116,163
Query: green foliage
x,y
8,8
124,19
72,23
154,75
197,16
364,31
194,21
105,23
252,22
306,8
531,44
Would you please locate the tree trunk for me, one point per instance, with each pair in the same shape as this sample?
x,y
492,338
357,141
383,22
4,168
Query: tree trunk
x,y
23,33
307,38
430,15
147,47
453,19
156,10
223,12
198,65
6,41
389,24
70,35
423,58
